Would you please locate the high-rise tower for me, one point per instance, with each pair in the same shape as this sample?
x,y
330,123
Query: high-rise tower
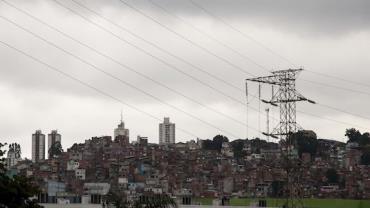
x,y
121,131
53,137
38,146
167,132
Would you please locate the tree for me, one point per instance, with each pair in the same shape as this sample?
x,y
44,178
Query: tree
x,y
305,141
365,158
218,140
332,176
16,148
55,150
15,192
355,136
215,144
238,146
117,199
156,201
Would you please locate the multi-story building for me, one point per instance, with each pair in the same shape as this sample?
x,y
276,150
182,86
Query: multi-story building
x,y
14,155
38,146
167,132
53,137
121,131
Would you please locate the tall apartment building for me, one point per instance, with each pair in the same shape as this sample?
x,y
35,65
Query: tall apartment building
x,y
38,146
53,137
167,132
121,131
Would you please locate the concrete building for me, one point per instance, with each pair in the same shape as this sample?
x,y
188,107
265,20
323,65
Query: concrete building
x,y
38,146
53,137
13,155
167,132
121,130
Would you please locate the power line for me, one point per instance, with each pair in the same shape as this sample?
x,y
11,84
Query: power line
x,y
239,31
151,55
338,78
161,60
178,34
249,37
118,79
186,39
343,111
273,52
125,66
206,34
330,119
335,87
157,5
163,9
158,47
61,72
302,112
133,33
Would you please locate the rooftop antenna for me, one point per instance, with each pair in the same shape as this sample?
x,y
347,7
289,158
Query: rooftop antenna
x,y
121,116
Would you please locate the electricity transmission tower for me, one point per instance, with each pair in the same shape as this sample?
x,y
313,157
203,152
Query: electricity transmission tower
x,y
286,98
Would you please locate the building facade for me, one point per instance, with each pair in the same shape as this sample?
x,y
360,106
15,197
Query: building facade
x,y
53,137
12,158
167,132
121,131
38,146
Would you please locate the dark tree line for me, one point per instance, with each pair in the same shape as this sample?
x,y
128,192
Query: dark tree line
x,y
16,191
215,144
363,140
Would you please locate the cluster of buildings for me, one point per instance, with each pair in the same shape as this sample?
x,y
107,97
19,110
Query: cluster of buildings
x,y
166,136
86,172
39,145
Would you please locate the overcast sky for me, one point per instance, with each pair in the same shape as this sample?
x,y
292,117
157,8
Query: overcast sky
x,y
331,37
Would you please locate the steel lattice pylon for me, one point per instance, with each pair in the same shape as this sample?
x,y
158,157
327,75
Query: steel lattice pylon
x,y
286,98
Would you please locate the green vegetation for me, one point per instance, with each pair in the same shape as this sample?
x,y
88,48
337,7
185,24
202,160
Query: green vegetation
x,y
15,192
55,150
215,144
311,203
363,140
203,201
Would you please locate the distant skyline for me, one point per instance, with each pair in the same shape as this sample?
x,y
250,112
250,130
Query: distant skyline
x,y
330,37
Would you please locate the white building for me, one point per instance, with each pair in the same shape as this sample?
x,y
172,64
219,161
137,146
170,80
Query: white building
x,y
13,156
80,174
121,131
53,137
167,132
38,146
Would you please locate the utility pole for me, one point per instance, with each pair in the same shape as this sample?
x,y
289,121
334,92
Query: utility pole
x,y
268,124
286,98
